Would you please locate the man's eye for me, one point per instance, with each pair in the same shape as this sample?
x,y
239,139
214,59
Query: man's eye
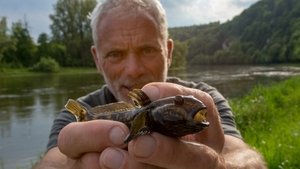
x,y
148,51
114,55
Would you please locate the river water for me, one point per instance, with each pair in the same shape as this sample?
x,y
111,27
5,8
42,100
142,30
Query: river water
x,y
28,104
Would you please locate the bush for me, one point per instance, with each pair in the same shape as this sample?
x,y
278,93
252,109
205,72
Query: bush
x,y
46,64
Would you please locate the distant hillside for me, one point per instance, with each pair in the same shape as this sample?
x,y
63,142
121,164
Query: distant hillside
x,y
266,32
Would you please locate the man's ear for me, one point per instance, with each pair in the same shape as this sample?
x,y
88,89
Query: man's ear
x,y
170,46
96,58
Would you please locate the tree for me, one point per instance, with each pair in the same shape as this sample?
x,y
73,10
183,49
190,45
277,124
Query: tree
x,y
50,49
295,40
4,39
21,48
71,28
179,54
43,45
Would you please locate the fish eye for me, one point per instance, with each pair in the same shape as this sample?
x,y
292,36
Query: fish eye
x,y
179,100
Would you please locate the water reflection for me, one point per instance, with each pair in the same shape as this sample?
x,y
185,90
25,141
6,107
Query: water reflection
x,y
28,104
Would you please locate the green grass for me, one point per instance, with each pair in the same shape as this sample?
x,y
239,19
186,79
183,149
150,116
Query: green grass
x,y
269,119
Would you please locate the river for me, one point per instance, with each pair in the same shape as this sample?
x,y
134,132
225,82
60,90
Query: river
x,y
28,104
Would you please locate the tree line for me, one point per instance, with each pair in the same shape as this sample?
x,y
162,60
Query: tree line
x,y
266,32
68,44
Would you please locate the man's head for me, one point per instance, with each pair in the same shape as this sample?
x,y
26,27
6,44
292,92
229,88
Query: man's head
x,y
131,44
153,8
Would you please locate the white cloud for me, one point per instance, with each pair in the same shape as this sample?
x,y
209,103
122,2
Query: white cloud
x,y
189,12
35,12
179,12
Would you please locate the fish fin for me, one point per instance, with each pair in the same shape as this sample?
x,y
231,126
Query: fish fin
x,y
138,127
112,107
76,109
139,98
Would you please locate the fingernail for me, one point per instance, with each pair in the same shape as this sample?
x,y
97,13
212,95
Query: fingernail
x,y
117,136
112,158
144,146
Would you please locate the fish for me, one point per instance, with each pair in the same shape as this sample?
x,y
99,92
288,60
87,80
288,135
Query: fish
x,y
173,116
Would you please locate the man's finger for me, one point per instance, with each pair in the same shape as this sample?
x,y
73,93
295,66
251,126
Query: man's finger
x,y
116,158
93,136
171,153
157,90
89,160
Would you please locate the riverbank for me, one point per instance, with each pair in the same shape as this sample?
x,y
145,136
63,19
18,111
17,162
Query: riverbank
x,y
6,71
269,120
32,100
62,70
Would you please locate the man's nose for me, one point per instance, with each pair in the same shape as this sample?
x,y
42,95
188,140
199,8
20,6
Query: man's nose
x,y
134,66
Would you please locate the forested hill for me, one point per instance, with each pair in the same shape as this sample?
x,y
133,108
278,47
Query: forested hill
x,y
266,32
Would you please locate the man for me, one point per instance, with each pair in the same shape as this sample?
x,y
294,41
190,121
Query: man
x,y
132,50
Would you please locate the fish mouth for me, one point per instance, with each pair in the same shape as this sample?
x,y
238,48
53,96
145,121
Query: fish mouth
x,y
200,116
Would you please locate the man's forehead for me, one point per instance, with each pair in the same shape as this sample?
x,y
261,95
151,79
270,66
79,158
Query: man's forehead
x,y
115,16
127,25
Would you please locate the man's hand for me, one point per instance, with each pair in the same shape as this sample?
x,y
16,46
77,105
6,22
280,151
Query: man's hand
x,y
83,142
99,143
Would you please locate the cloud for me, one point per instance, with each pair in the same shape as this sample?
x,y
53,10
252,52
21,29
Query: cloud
x,y
34,12
187,12
243,3
179,12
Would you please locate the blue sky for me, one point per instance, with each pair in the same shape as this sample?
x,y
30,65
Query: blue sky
x,y
179,12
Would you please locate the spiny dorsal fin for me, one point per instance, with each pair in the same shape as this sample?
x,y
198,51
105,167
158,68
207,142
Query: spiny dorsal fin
x,y
112,108
139,98
76,109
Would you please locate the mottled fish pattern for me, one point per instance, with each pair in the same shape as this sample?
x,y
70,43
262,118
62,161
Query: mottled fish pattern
x,y
174,116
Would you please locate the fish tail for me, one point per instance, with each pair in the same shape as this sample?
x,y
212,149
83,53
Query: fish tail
x,y
76,109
